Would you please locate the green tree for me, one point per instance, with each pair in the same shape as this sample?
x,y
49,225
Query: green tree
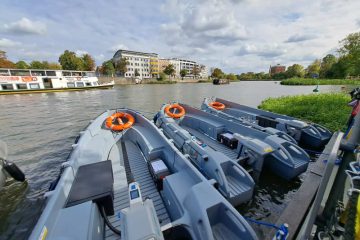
x,y
326,64
69,61
169,70
137,72
88,62
22,65
231,77
314,68
217,73
36,65
183,73
161,77
54,66
45,64
296,70
195,71
107,68
350,51
121,66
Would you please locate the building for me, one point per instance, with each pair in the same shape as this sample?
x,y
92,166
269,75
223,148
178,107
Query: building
x,y
276,69
149,65
204,72
163,62
144,64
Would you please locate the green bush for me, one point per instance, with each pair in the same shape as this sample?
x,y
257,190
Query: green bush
x,y
327,109
162,77
312,81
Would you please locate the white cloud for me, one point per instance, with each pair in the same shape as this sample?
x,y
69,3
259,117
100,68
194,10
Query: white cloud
x,y
7,43
116,47
26,26
80,52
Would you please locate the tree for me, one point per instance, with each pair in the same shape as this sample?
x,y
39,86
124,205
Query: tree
x,y
231,77
326,64
350,51
36,65
22,65
108,68
183,73
217,73
4,62
195,71
314,68
295,70
54,66
69,61
169,70
121,66
137,72
88,62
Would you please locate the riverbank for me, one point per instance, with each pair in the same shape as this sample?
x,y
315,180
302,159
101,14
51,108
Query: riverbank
x,y
327,109
312,81
129,81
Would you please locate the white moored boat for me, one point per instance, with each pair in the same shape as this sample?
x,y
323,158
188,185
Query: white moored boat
x,y
35,80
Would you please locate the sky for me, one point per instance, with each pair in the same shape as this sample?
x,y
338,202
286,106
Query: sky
x,y
234,35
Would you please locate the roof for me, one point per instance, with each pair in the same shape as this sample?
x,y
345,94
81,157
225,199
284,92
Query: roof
x,y
122,51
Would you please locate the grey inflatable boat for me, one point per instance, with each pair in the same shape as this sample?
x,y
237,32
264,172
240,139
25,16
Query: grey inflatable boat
x,y
308,135
248,146
232,181
134,184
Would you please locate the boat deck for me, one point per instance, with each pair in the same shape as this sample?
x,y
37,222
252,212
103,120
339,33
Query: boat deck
x,y
214,144
133,166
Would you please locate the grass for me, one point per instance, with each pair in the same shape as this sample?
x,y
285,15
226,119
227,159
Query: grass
x,y
312,81
160,82
327,109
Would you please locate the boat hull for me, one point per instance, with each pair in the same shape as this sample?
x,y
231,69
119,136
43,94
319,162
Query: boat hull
x,y
27,91
308,135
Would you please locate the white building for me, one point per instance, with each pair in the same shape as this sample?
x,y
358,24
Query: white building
x,y
144,63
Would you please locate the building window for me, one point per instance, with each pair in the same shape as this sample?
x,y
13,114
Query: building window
x,y
7,86
34,85
21,86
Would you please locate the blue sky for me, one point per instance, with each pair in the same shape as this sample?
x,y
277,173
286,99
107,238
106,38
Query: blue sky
x,y
235,35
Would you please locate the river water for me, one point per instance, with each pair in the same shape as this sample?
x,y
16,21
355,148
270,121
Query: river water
x,y
40,128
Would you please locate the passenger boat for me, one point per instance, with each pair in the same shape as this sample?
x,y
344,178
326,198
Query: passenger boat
x,y
307,134
218,81
125,180
38,81
248,146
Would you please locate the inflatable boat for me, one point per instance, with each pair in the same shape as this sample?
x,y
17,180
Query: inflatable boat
x,y
308,135
241,143
125,180
232,181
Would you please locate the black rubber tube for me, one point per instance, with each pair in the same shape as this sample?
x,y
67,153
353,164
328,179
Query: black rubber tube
x,y
107,222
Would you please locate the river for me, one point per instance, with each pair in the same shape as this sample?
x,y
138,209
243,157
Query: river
x,y
40,128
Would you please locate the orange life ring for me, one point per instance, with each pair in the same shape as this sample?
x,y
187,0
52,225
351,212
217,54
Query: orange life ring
x,y
174,114
217,105
121,125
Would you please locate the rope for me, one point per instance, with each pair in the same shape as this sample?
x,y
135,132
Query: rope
x,y
262,223
281,233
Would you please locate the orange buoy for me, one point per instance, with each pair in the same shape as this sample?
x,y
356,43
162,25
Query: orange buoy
x,y
120,125
174,110
217,105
